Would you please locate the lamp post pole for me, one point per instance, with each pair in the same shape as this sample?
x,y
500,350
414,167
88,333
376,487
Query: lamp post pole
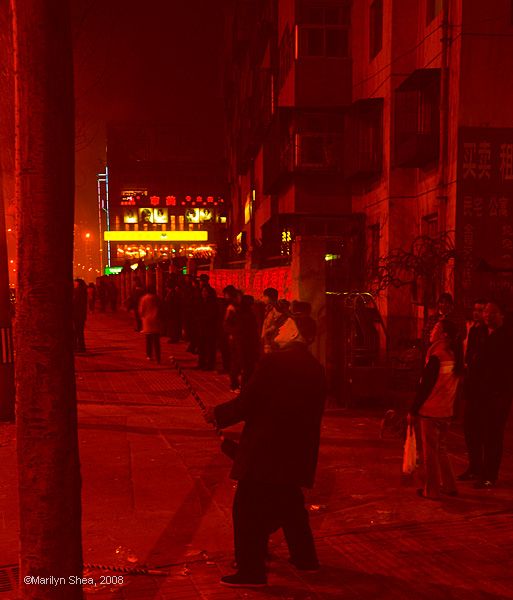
x,y
6,337
6,172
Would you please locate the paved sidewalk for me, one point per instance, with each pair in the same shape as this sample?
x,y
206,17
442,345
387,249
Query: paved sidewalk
x,y
156,492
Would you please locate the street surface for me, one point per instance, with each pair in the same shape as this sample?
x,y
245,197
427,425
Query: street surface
x,y
156,492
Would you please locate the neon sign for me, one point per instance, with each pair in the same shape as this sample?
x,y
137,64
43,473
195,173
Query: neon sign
x,y
131,197
134,197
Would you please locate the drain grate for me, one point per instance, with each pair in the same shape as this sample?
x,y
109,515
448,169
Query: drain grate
x,y
9,575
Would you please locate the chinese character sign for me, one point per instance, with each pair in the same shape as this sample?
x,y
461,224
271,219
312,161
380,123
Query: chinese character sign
x,y
484,220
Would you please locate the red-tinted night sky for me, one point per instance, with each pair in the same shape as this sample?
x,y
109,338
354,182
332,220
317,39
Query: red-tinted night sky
x,y
144,60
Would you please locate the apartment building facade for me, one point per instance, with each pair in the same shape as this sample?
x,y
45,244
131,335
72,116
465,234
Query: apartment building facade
x,y
386,121
288,80
429,138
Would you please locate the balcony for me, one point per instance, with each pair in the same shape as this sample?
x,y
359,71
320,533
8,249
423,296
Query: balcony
x,y
313,152
417,119
302,143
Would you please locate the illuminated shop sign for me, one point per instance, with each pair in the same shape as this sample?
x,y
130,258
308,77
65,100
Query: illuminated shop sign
x,y
145,215
198,215
130,215
135,251
160,215
155,236
141,197
132,197
113,270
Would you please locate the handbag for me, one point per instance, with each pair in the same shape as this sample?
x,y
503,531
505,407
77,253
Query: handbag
x,y
410,451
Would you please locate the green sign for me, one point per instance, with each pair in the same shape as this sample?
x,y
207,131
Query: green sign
x,y
113,270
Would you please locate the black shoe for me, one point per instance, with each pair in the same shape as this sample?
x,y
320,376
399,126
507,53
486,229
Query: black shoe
x,y
240,580
305,566
467,475
452,493
484,485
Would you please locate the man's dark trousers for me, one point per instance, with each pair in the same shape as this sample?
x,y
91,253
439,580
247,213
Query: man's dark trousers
x,y
494,418
473,426
258,510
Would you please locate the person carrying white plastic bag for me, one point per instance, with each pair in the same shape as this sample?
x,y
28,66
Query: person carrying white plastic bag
x,y
434,405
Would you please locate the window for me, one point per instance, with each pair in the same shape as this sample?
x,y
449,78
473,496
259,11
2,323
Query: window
x,y
324,13
433,8
323,30
317,139
364,148
376,28
318,150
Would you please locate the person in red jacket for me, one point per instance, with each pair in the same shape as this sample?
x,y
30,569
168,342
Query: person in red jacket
x,y
281,407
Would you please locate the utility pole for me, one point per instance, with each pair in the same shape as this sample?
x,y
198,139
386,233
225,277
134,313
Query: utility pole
x,y
6,168
6,337
49,482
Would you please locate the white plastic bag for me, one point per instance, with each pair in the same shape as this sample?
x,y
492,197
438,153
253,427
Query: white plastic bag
x,y
410,451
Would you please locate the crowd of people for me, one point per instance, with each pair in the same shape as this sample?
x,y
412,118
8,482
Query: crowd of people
x,y
235,327
281,389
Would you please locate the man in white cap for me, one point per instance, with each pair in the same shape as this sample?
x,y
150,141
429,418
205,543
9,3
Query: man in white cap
x,y
282,408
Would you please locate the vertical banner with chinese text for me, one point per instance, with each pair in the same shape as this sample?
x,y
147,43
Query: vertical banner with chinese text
x,y
484,215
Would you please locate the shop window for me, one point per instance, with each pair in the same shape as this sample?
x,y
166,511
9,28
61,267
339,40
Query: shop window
x,y
376,28
433,8
364,148
323,30
417,119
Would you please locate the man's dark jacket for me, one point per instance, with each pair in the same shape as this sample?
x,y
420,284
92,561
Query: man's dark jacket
x,y
494,364
282,407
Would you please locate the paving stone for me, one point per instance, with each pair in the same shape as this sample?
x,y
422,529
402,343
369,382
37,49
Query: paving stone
x,y
156,488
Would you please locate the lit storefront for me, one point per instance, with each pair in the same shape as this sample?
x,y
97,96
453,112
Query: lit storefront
x,y
153,228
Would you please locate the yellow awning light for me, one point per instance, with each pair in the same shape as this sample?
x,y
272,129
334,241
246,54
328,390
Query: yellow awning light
x,y
155,236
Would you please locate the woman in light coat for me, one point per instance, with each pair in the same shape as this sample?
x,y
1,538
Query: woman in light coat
x,y
150,311
434,406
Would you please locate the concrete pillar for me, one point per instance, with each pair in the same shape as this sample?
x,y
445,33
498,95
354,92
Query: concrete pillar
x,y
309,284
